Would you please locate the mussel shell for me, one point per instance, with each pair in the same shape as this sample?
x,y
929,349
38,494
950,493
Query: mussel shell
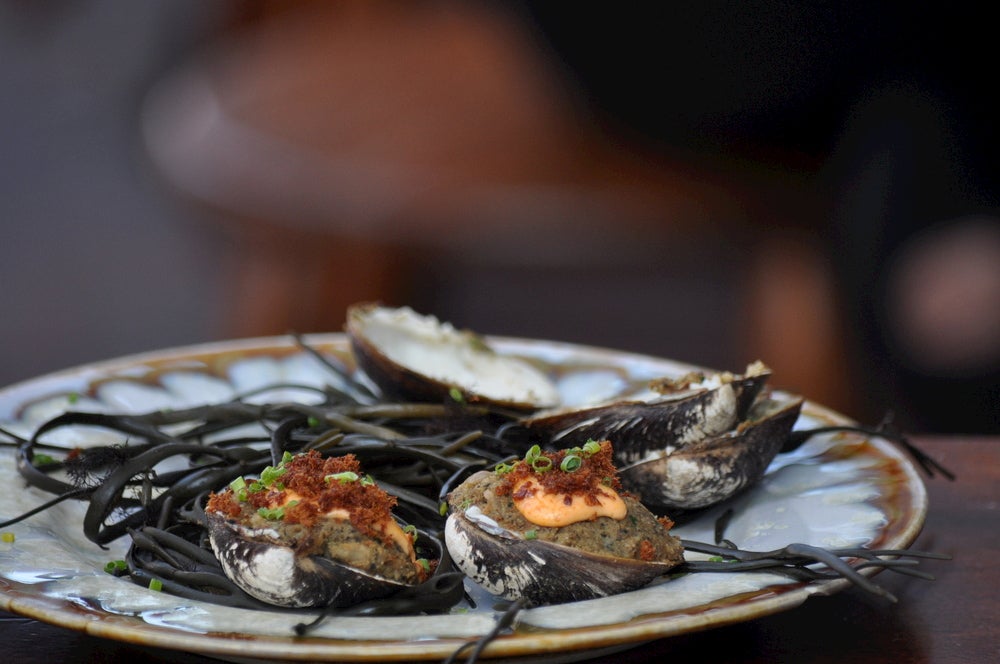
x,y
660,425
715,468
510,566
277,575
529,387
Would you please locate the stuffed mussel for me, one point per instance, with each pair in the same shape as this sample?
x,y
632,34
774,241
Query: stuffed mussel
x,y
556,527
311,532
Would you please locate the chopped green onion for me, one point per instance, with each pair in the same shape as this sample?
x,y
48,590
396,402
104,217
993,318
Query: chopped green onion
x,y
343,478
313,422
239,487
367,480
443,508
271,474
273,514
73,397
538,461
570,463
502,468
115,567
42,460
155,584
592,447
456,395
423,562
541,464
531,534
7,538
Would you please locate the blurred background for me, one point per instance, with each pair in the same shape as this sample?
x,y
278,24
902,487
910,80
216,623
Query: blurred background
x,y
811,184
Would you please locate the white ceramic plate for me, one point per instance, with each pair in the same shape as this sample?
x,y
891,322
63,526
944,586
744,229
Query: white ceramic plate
x,y
835,491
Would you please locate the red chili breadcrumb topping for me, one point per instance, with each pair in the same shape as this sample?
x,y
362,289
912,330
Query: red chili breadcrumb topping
x,y
305,480
224,503
596,470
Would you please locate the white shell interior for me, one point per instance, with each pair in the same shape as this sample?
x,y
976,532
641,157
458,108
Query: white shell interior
x,y
436,349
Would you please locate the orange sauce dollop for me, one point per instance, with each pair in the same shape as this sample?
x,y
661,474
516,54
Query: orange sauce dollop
x,y
556,498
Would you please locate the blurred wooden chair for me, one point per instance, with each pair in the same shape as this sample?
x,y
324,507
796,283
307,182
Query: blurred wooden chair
x,y
343,145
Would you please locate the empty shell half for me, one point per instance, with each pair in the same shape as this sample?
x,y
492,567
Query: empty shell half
x,y
416,357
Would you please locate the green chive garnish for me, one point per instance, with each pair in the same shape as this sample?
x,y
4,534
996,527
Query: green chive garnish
x,y
42,460
275,514
115,567
239,487
570,463
270,475
343,478
541,464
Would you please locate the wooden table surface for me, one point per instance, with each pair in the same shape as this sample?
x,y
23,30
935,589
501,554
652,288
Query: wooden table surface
x,y
955,618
